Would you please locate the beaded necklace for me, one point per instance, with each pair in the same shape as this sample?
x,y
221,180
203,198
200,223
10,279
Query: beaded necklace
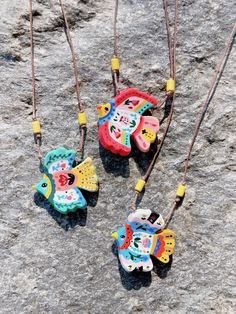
x,y
122,119
145,238
63,176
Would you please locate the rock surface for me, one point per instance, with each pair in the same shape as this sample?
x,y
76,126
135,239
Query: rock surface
x,y
67,264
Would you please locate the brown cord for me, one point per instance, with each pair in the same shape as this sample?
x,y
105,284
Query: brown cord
x,y
40,153
80,149
32,61
218,72
167,19
37,137
115,29
161,142
161,103
75,68
214,82
115,74
171,212
115,79
171,96
175,38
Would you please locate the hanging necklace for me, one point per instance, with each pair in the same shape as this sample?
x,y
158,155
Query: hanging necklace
x,y
138,239
63,176
121,119
145,232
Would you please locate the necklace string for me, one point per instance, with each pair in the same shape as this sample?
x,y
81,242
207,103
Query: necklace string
x,y
82,119
115,63
115,28
214,83
81,114
36,126
168,101
32,62
171,49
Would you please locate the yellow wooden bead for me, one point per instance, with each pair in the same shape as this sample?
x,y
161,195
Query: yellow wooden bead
x,y
140,185
36,126
82,118
181,190
115,235
170,85
115,64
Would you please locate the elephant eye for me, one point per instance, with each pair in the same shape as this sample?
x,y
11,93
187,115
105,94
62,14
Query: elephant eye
x,y
44,185
122,236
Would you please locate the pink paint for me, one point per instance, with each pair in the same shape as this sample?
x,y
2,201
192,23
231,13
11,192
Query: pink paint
x,y
145,243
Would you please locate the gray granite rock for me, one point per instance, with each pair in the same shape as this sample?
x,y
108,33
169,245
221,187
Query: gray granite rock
x,y
67,264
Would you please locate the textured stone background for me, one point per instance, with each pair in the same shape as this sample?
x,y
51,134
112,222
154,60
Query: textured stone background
x,y
67,264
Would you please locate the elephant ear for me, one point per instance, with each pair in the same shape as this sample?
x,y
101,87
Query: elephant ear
x,y
69,200
59,159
